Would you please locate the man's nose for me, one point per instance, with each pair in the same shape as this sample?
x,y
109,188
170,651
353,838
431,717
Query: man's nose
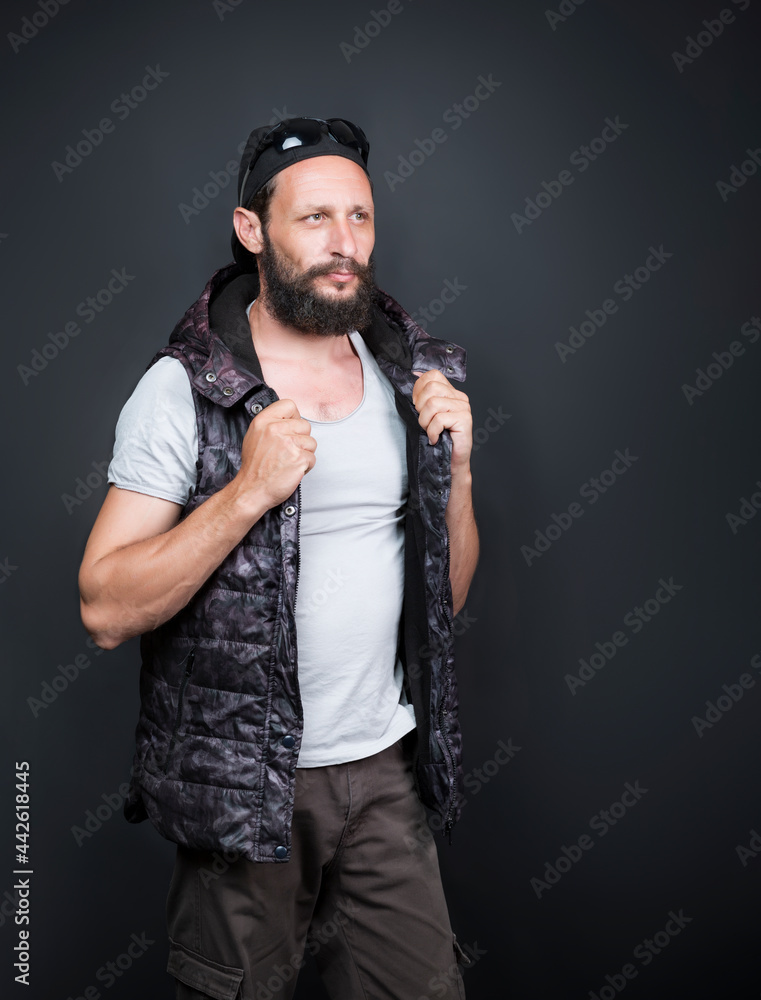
x,y
342,239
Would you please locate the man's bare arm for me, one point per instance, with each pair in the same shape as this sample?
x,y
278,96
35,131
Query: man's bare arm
x,y
141,566
463,537
440,406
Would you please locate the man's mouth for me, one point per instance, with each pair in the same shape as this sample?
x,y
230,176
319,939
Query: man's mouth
x,y
341,275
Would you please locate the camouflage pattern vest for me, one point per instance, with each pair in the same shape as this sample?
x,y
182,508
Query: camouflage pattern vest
x,y
220,718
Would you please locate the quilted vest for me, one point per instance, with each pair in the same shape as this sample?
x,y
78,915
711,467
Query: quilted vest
x,y
221,720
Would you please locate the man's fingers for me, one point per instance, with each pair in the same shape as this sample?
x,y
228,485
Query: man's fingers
x,y
441,404
438,388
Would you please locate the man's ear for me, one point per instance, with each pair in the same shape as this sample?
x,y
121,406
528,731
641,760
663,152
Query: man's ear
x,y
248,228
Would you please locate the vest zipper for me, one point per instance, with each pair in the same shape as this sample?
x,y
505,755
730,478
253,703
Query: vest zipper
x,y
180,697
444,605
449,819
424,726
298,545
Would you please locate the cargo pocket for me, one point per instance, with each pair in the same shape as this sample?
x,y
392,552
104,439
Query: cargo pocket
x,y
199,978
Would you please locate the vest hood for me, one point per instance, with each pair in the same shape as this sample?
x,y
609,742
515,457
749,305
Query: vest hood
x,y
213,339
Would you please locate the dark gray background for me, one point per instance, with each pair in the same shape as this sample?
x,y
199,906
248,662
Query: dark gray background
x,y
527,626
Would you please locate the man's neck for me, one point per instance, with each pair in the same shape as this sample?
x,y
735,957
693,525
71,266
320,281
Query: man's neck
x,y
278,342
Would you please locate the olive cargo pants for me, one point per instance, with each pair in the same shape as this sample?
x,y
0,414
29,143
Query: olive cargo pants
x,y
362,893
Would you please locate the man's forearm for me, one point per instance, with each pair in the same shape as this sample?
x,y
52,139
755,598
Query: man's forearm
x,y
136,588
463,536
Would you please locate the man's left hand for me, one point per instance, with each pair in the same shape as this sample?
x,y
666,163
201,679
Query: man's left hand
x,y
440,406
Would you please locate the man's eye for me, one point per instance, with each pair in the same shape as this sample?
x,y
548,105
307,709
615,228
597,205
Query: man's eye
x,y
315,215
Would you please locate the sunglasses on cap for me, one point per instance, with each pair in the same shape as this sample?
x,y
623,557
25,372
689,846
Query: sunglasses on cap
x,y
308,132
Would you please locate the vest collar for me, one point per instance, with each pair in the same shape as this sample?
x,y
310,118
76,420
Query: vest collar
x,y
231,369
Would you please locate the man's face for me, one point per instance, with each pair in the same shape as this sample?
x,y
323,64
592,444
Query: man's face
x,y
316,265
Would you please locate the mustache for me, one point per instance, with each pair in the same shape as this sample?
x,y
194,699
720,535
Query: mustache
x,y
343,264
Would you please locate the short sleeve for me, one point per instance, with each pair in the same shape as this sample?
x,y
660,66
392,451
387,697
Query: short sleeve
x,y
156,444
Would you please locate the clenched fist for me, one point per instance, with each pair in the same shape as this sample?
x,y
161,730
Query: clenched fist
x,y
278,450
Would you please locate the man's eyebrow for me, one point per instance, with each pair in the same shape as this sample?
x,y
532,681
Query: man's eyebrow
x,y
330,208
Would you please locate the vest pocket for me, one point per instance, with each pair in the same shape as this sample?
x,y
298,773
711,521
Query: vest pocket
x,y
180,700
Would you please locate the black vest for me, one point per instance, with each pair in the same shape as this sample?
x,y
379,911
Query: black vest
x,y
220,720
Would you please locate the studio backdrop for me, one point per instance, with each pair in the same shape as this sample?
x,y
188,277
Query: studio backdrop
x,y
572,194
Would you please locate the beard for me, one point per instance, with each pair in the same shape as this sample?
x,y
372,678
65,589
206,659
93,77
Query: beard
x,y
290,297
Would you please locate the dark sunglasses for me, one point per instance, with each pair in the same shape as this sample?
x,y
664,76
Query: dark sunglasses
x,y
308,132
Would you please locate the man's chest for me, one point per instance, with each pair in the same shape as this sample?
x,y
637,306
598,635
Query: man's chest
x,y
320,393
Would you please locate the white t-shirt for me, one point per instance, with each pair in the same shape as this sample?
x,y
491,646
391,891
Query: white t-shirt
x,y
351,572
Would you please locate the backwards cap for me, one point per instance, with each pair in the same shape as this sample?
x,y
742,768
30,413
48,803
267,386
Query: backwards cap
x,y
270,162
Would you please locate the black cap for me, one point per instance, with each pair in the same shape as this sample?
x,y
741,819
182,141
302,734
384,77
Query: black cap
x,y
270,162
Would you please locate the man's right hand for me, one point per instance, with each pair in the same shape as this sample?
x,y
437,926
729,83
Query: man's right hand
x,y
143,564
278,450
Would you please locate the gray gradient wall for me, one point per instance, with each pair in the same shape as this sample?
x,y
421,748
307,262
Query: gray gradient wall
x,y
572,193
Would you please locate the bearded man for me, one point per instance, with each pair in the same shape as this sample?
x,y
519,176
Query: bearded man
x,y
289,528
